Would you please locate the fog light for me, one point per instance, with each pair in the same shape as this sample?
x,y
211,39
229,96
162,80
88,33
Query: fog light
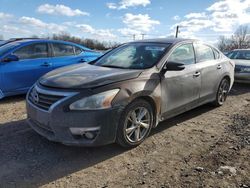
x,y
89,135
80,131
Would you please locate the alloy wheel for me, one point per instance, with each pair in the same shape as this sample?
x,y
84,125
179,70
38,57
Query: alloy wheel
x,y
137,124
223,91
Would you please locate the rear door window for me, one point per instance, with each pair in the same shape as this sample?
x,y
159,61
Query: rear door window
x,y
203,52
183,54
33,51
63,50
78,50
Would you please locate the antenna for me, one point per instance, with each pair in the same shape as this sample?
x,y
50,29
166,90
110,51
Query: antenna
x,y
133,36
142,36
177,31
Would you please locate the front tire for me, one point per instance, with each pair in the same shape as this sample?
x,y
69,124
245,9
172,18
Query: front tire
x,y
135,124
222,92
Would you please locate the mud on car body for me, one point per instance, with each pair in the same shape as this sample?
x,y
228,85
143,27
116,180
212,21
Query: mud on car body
x,y
121,96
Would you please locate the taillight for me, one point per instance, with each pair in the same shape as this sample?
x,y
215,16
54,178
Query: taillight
x,y
232,63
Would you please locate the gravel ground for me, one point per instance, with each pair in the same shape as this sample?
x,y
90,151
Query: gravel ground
x,y
205,147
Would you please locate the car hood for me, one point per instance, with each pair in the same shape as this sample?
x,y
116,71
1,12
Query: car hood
x,y
86,76
242,62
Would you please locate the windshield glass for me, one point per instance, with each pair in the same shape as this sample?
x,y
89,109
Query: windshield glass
x,y
2,42
241,54
5,48
134,56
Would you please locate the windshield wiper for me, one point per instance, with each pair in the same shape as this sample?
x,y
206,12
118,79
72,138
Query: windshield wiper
x,y
113,66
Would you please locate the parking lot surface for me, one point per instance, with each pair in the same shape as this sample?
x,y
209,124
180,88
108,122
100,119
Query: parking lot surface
x,y
201,148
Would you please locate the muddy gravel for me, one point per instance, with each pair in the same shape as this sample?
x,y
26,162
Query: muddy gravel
x,y
205,147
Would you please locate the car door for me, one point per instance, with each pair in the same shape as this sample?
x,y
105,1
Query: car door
x,y
33,62
181,89
64,54
210,71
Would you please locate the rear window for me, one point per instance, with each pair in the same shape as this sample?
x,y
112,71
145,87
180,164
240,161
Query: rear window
x,y
63,50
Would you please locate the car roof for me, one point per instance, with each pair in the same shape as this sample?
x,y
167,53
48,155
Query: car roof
x,y
43,40
166,40
242,49
31,40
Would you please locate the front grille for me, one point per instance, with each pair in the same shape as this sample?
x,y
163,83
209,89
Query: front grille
x,y
43,99
240,68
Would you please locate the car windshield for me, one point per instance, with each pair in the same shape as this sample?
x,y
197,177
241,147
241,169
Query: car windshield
x,y
241,54
134,56
2,42
5,48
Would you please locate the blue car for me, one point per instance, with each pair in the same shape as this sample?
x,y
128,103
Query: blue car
x,y
24,61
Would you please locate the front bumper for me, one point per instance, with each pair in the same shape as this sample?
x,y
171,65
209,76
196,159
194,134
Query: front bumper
x,y
242,77
55,124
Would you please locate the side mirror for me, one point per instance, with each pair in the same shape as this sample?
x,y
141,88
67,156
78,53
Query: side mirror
x,y
10,58
173,66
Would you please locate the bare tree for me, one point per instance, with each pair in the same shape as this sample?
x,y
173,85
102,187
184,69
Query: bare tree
x,y
240,39
225,44
222,44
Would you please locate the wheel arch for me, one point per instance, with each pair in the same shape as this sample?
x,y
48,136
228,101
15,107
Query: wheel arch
x,y
152,103
228,78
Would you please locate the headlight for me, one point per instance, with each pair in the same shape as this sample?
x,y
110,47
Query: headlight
x,y
95,102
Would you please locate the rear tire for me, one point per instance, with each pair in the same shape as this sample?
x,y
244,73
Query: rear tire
x,y
222,92
135,124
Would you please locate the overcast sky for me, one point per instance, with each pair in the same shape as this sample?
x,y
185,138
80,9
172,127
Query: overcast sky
x,y
119,20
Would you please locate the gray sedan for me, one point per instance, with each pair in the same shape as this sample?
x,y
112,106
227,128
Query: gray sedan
x,y
125,93
241,57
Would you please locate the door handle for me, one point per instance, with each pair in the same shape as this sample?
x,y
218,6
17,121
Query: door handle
x,y
219,67
82,61
197,74
46,64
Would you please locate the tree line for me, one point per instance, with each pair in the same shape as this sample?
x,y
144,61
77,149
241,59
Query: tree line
x,y
90,43
239,40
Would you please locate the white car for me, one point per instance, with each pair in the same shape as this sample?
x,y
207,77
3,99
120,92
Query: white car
x,y
241,57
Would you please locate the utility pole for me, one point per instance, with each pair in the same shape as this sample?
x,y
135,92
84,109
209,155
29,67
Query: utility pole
x,y
134,37
177,31
142,36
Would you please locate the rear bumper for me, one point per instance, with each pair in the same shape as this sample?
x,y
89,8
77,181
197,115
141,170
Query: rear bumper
x,y
242,77
55,125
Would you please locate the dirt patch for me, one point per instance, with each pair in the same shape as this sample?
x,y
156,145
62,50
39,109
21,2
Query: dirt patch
x,y
226,162
12,109
205,147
